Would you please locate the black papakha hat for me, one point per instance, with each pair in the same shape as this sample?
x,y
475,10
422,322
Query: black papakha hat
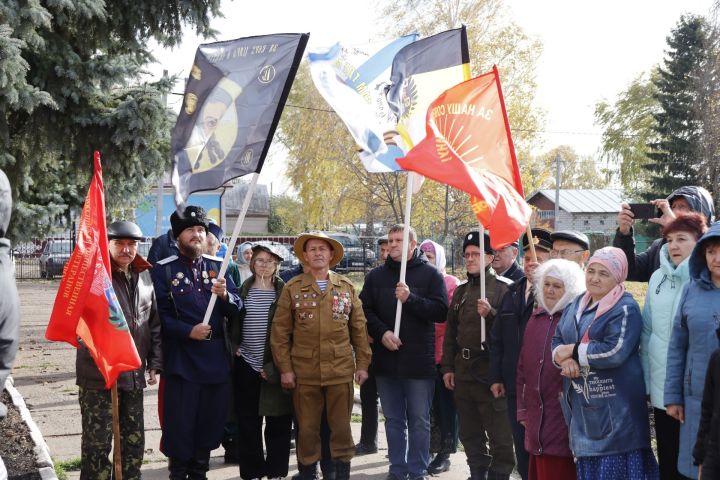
x,y
191,217
542,238
473,238
572,236
124,229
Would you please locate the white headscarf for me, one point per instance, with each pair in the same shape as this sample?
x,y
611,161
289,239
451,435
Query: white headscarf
x,y
566,271
439,251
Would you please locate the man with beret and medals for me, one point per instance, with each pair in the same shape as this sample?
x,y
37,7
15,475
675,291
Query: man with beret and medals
x,y
196,361
507,332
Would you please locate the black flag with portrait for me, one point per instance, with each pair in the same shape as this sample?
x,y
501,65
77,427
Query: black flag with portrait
x,y
233,100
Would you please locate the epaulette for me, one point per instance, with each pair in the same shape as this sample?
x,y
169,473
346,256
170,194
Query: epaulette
x,y
167,260
212,257
504,280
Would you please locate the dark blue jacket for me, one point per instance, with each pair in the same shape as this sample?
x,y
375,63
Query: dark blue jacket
x,y
426,305
162,247
183,291
507,334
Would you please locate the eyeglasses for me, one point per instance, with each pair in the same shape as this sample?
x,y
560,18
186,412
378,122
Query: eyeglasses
x,y
264,263
473,255
564,253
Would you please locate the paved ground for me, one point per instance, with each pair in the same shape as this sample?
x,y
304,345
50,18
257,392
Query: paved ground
x,y
44,375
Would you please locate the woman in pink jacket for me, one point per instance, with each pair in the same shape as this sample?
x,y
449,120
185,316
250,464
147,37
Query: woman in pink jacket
x,y
443,407
539,383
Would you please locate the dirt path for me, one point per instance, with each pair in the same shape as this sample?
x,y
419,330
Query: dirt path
x,y
44,374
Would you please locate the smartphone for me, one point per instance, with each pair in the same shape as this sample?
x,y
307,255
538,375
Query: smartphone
x,y
643,211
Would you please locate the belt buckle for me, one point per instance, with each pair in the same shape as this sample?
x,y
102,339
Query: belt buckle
x,y
466,353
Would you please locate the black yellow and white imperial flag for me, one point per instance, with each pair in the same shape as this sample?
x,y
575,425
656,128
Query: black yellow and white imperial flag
x,y
234,97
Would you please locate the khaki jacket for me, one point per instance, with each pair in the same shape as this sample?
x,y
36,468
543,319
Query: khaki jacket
x,y
314,333
463,350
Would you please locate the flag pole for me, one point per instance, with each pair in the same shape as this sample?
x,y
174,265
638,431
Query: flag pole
x,y
482,282
233,241
406,242
117,458
533,255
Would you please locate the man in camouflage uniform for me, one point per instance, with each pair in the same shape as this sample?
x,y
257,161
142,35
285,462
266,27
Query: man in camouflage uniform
x,y
318,324
484,425
134,289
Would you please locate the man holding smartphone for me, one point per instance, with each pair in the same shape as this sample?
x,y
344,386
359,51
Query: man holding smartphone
x,y
683,200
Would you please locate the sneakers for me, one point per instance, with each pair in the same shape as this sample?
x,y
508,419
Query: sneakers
x,y
439,464
365,449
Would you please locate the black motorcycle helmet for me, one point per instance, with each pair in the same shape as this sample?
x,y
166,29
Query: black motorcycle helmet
x,y
124,229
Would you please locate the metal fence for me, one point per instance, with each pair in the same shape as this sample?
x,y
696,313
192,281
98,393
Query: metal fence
x,y
42,257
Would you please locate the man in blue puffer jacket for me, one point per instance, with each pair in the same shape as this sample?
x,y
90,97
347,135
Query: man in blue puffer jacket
x,y
683,200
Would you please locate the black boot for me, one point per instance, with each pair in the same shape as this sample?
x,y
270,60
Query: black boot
x,y
232,450
493,475
308,472
327,467
478,473
365,448
342,470
199,465
177,469
439,464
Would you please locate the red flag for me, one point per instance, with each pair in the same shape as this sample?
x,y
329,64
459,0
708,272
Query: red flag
x,y
468,146
86,305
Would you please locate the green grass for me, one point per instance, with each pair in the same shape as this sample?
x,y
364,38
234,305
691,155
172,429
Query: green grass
x,y
61,468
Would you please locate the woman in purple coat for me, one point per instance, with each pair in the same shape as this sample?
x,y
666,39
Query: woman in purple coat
x,y
539,383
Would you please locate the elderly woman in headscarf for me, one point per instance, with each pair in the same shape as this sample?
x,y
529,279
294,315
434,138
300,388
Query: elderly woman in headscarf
x,y
538,383
244,254
603,399
443,406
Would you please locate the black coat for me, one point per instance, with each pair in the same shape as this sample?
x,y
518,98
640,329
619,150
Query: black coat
x,y
514,273
507,334
707,447
426,305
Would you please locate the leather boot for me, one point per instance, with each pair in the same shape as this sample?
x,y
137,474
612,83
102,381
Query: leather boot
x,y
327,467
478,473
199,465
439,464
177,469
308,472
493,475
342,470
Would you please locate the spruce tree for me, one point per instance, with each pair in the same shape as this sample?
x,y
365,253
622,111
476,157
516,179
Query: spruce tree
x,y
70,83
673,156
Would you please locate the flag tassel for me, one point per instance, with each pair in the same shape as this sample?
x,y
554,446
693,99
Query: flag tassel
x,y
233,241
406,241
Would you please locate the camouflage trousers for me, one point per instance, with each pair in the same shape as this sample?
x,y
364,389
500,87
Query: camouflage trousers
x,y
96,410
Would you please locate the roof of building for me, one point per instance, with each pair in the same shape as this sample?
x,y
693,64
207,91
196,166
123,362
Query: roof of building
x,y
585,201
259,203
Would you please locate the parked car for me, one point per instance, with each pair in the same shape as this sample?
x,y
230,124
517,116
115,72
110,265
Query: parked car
x,y
53,258
289,258
357,256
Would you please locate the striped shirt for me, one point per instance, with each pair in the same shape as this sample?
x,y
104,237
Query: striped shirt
x,y
322,284
257,306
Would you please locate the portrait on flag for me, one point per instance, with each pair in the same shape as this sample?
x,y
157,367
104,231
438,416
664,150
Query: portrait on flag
x,y
233,100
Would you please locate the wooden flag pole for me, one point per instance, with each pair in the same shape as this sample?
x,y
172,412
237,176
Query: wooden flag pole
x,y
406,242
482,281
117,458
233,241
533,255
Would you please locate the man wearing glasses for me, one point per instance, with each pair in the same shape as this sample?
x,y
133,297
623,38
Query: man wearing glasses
x,y
484,425
570,245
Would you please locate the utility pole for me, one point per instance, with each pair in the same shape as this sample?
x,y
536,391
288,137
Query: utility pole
x,y
557,191
161,182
